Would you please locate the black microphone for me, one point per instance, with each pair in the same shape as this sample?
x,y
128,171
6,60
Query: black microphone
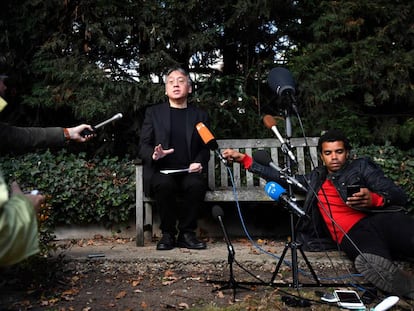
x,y
218,213
270,123
277,192
209,140
263,157
281,81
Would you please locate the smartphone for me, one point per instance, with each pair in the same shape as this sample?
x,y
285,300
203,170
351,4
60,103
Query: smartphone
x,y
351,189
349,299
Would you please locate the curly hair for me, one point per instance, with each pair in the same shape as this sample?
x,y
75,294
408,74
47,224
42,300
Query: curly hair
x,y
334,135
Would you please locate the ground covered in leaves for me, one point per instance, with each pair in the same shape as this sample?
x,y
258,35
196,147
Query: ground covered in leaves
x,y
102,284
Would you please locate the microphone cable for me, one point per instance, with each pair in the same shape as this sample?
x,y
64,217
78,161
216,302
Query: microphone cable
x,y
259,248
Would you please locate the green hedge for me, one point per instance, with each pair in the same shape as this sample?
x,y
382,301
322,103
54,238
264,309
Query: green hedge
x,y
396,164
79,190
102,190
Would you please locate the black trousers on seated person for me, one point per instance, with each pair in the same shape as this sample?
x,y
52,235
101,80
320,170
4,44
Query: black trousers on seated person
x,y
389,235
190,188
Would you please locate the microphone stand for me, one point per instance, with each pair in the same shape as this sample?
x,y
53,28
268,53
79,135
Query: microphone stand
x,y
231,283
293,245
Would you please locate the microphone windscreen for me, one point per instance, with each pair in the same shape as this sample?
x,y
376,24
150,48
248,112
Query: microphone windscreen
x,y
217,211
262,157
280,79
269,121
204,132
274,190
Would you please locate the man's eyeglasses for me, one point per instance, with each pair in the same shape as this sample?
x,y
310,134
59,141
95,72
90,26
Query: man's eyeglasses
x,y
179,80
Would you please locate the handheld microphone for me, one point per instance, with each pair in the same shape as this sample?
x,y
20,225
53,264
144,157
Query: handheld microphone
x,y
270,123
209,140
218,213
88,132
277,192
263,157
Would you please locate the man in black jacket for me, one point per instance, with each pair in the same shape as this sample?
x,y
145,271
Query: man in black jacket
x,y
169,140
370,226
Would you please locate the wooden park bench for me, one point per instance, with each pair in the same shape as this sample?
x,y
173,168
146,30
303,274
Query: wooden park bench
x,y
249,188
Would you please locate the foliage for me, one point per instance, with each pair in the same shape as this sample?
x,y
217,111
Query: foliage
x,y
396,164
83,61
80,191
358,59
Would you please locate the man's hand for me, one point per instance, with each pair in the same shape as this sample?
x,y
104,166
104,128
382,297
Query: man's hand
x,y
75,133
159,152
233,155
361,199
36,200
195,168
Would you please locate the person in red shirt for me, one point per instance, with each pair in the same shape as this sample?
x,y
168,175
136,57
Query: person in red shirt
x,y
370,226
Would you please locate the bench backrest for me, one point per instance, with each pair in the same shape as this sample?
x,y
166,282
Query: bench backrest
x,y
218,175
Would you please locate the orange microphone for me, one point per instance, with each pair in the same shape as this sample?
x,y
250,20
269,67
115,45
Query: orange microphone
x,y
209,139
270,123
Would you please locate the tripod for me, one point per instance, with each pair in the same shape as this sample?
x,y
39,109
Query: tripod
x,y
232,283
293,245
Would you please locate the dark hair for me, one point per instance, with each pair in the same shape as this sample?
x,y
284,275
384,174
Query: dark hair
x,y
180,69
334,135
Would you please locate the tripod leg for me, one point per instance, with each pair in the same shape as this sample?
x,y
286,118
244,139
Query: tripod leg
x,y
308,264
295,268
295,271
279,263
232,283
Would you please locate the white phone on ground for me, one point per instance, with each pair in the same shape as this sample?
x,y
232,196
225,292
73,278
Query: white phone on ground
x,y
349,299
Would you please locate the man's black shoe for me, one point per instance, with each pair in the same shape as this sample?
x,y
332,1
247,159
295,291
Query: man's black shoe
x,y
166,243
189,240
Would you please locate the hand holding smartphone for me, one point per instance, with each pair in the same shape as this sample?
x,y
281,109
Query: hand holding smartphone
x,y
352,189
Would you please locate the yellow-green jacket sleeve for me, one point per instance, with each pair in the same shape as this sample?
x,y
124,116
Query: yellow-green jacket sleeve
x,y
18,228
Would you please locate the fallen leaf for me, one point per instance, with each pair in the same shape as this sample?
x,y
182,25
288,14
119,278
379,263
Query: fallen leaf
x,y
135,283
121,294
70,292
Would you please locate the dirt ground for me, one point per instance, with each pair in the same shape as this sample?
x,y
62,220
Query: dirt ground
x,y
100,283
